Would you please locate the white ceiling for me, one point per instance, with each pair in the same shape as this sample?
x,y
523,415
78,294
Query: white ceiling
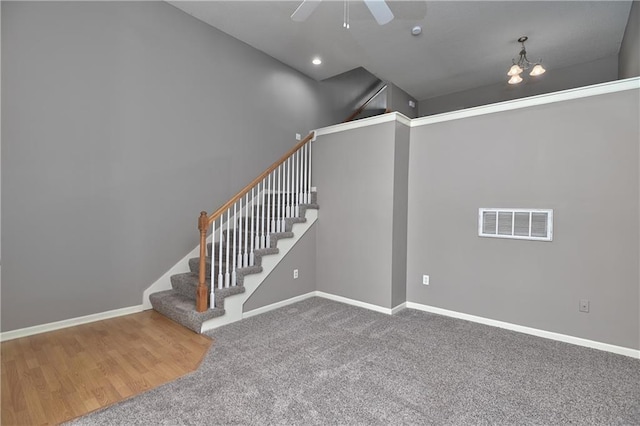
x,y
464,44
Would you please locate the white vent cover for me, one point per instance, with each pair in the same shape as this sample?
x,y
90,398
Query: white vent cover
x,y
521,224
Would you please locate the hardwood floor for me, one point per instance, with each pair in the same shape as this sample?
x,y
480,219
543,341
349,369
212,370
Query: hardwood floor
x,y
53,377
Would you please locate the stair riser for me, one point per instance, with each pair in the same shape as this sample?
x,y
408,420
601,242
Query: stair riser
x,y
241,236
258,228
253,232
216,249
181,310
194,264
188,290
257,210
259,222
240,243
186,285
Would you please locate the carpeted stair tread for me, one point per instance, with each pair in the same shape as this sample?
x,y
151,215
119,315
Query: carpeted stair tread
x,y
181,309
194,262
257,228
241,236
269,250
265,251
301,209
275,236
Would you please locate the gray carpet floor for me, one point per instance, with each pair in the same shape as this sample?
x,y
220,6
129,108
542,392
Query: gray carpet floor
x,y
323,362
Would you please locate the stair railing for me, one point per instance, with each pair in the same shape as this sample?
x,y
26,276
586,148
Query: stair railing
x,y
362,107
250,217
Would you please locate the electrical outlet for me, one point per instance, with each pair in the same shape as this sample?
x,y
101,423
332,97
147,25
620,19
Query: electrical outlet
x,y
584,305
295,274
425,279
412,104
298,136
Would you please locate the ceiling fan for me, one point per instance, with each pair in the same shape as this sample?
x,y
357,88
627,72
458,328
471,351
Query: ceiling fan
x,y
378,8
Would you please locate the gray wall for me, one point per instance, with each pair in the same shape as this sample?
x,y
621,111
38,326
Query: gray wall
x,y
122,120
399,101
400,202
355,174
349,90
580,158
280,285
0,163
553,80
629,56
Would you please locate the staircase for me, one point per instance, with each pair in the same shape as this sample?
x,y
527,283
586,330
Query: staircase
x,y
179,303
269,206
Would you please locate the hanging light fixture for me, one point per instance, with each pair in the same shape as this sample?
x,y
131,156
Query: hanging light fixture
x,y
523,63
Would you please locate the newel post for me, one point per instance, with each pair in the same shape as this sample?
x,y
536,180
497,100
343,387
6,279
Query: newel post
x,y
201,293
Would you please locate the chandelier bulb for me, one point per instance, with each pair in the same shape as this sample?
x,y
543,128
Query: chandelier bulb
x,y
515,79
537,70
514,70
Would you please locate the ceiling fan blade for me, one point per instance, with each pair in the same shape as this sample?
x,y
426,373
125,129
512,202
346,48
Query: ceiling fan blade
x,y
380,11
305,10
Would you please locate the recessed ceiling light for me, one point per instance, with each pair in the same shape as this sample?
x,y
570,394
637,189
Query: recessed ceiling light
x,y
416,30
316,61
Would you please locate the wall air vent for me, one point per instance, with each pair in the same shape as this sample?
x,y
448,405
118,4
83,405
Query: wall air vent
x,y
521,224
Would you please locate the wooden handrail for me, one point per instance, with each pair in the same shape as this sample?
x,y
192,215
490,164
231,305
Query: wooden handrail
x,y
364,105
215,215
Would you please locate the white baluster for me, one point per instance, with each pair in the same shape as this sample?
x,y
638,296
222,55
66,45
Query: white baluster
x,y
268,224
238,224
297,186
227,247
262,216
290,190
309,197
220,278
287,188
235,248
245,254
212,295
281,198
304,174
276,211
284,194
273,204
294,176
281,222
253,226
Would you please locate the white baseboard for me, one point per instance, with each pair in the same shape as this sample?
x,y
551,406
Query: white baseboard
x,y
42,328
634,353
324,295
357,303
399,308
281,304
